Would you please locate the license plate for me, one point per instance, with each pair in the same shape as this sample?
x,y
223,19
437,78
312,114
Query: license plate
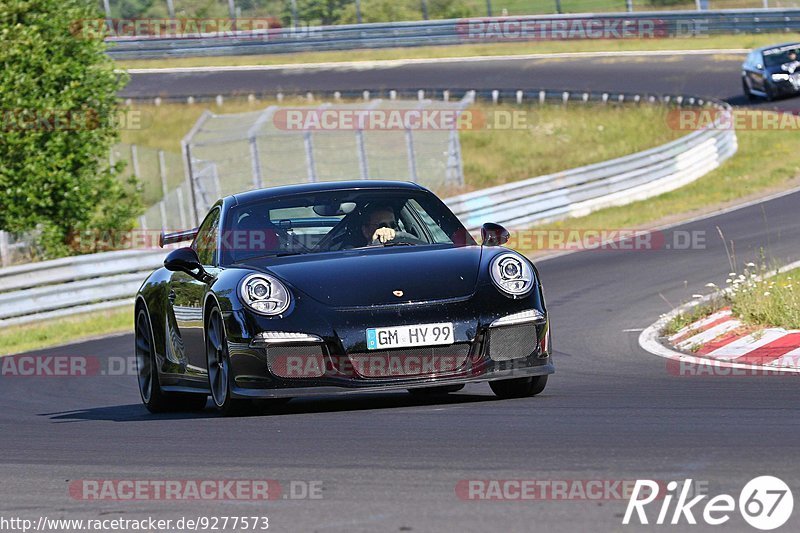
x,y
407,336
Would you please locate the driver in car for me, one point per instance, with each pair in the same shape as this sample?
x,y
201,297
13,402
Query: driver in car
x,y
379,224
792,64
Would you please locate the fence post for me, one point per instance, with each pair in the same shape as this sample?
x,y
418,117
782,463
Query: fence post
x,y
294,13
255,157
361,149
256,160
5,258
363,168
215,177
454,172
309,145
162,171
187,162
135,161
181,208
412,160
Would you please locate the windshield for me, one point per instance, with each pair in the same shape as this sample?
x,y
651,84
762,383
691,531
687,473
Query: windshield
x,y
781,56
338,220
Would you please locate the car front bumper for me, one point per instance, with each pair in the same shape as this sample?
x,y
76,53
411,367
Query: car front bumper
x,y
335,360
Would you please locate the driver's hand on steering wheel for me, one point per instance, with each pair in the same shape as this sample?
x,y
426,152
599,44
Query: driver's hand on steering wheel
x,y
383,235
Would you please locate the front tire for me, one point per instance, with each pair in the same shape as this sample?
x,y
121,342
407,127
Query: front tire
x,y
219,369
518,387
153,397
746,90
770,91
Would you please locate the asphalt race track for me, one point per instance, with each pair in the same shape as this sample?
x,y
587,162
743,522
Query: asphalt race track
x,y
389,462
711,75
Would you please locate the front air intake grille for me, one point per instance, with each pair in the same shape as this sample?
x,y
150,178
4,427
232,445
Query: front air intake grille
x,y
512,342
402,362
302,361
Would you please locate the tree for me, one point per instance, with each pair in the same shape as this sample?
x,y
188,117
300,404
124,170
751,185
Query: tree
x,y
323,12
58,111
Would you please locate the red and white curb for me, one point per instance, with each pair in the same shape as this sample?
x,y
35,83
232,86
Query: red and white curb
x,y
721,344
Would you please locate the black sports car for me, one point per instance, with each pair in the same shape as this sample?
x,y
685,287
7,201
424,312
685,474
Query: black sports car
x,y
337,287
772,71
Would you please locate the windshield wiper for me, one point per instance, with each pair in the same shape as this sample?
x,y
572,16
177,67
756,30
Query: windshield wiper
x,y
274,254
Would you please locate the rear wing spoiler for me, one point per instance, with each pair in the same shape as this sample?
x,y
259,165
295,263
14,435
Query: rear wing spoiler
x,y
178,236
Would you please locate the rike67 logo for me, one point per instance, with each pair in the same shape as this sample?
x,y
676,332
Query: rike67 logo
x,y
765,503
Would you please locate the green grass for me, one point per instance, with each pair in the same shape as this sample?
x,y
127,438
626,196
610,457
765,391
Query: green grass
x,y
693,314
27,337
762,300
465,50
559,138
759,297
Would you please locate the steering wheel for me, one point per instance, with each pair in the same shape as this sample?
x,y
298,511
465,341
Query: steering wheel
x,y
400,237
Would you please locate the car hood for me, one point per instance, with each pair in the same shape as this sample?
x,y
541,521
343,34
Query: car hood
x,y
371,277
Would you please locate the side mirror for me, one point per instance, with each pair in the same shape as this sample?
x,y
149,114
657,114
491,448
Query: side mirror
x,y
494,235
186,260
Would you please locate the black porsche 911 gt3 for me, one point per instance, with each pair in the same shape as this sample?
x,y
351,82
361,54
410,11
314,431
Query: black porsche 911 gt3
x,y
337,287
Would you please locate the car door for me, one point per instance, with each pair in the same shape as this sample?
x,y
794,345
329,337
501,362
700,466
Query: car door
x,y
186,295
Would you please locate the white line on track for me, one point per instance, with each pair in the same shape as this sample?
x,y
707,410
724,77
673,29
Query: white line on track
x,y
392,63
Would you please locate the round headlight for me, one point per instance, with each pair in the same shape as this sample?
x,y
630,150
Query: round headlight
x,y
511,274
265,294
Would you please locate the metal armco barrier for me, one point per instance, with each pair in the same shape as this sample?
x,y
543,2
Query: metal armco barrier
x,y
39,291
50,289
580,191
459,31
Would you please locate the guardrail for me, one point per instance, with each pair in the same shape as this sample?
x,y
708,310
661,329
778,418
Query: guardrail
x,y
579,191
658,24
39,291
50,289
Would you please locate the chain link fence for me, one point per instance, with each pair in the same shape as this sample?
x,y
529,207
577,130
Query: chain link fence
x,y
230,153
